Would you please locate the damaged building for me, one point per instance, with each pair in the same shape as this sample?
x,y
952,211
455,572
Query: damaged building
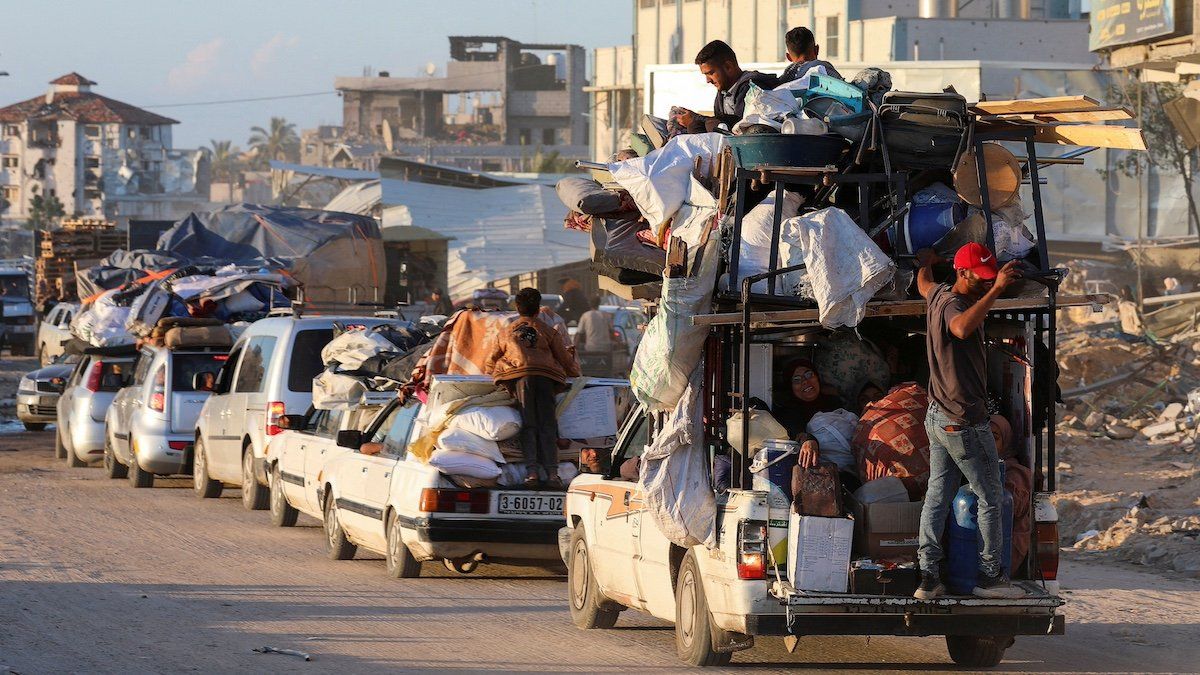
x,y
100,157
498,102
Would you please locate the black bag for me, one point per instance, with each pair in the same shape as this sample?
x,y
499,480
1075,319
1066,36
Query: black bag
x,y
923,131
817,491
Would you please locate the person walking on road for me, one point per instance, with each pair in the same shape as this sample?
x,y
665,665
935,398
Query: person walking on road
x,y
960,437
595,330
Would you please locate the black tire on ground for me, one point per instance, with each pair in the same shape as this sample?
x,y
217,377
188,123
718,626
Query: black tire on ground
x,y
971,651
139,478
113,468
589,609
283,514
73,460
60,450
34,426
400,561
336,544
203,484
694,628
255,496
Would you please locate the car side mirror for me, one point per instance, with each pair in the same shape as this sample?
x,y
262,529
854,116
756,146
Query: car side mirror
x,y
350,438
293,422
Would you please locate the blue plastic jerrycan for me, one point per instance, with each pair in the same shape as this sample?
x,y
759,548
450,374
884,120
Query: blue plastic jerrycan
x,y
964,543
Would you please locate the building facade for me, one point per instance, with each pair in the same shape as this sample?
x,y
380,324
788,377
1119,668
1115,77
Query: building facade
x,y
100,157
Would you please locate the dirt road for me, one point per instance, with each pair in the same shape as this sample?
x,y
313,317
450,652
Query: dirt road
x,y
97,576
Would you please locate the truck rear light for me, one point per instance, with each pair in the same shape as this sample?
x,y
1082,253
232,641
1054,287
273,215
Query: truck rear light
x,y
178,445
275,412
455,501
93,379
752,550
1047,550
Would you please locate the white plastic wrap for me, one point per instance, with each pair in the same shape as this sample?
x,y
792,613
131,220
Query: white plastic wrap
x,y
350,349
332,391
834,431
661,181
844,267
754,255
672,346
453,463
102,324
461,440
766,107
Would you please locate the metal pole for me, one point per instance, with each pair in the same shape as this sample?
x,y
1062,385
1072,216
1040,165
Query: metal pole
x,y
776,224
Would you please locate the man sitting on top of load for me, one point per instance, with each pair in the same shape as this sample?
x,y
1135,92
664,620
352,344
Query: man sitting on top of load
x,y
719,66
802,52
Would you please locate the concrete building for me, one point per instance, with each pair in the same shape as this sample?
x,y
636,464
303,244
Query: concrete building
x,y
875,32
100,157
497,96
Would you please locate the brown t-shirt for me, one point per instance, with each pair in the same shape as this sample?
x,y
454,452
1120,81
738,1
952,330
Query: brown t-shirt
x,y
957,368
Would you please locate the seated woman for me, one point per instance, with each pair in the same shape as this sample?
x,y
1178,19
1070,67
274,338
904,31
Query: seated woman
x,y
797,401
1018,480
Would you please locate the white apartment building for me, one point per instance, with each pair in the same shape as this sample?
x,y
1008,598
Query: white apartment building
x,y
100,157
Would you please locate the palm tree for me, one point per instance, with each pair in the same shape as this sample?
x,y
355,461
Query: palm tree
x,y
281,142
224,160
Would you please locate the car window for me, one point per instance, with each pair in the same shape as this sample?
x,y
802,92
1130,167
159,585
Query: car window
x,y
115,375
225,377
54,315
67,318
306,358
385,425
143,367
395,443
256,357
185,368
633,445
85,363
328,424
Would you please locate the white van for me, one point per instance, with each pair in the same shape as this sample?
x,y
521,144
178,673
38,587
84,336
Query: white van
x,y
269,374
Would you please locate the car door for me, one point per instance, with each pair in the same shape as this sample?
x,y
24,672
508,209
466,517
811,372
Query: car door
x,y
126,402
248,384
617,517
366,480
214,416
319,446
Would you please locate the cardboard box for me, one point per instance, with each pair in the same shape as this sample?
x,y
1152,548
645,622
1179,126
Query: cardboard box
x,y
887,530
819,553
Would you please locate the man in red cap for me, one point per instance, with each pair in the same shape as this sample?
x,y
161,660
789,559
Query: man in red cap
x,y
960,438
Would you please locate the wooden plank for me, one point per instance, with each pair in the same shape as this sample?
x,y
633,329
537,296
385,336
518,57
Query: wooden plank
x,y
1119,138
1097,115
896,308
1036,105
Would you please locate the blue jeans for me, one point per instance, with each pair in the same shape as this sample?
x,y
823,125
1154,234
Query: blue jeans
x,y
971,452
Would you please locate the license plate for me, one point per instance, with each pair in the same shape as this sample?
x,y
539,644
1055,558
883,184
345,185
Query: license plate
x,y
517,503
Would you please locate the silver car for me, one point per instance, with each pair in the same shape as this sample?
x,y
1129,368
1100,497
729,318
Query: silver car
x,y
150,423
54,331
38,392
94,382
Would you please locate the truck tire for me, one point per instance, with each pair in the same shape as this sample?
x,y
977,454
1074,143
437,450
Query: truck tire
x,y
283,514
589,608
34,426
112,467
971,651
139,478
336,544
694,628
255,496
400,561
203,484
60,450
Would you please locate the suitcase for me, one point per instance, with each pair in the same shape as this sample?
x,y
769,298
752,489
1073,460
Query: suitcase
x,y
817,491
923,131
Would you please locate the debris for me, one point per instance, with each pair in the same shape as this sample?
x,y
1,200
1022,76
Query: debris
x,y
1171,412
1160,429
1093,421
288,652
1185,466
1119,432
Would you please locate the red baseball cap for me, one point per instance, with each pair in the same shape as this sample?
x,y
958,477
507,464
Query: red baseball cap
x,y
977,258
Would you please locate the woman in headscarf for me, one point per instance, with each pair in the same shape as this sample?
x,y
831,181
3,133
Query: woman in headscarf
x,y
1018,480
797,401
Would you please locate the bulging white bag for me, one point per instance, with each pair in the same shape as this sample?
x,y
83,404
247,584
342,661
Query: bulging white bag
x,y
495,423
454,463
463,441
754,256
834,431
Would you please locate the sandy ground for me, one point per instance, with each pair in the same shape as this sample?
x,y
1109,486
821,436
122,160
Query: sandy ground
x,y
98,577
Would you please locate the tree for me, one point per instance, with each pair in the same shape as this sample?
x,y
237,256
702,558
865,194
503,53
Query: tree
x,y
45,212
279,142
224,161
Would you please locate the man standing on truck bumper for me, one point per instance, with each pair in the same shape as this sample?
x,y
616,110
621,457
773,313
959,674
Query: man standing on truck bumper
x,y
960,439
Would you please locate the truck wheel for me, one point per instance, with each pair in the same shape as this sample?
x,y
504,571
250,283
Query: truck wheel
x,y
400,561
60,450
972,651
34,426
112,467
254,495
202,483
589,609
336,544
283,514
693,624
139,478
73,460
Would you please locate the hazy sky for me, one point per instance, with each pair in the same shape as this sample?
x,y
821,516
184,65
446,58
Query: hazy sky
x,y
155,52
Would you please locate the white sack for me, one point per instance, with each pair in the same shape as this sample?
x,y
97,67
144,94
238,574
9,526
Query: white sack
x,y
674,473
463,441
672,346
102,324
352,348
754,255
660,182
454,463
766,107
834,431
844,267
332,391
494,423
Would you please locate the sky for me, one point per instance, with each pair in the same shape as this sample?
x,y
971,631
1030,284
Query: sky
x,y
159,54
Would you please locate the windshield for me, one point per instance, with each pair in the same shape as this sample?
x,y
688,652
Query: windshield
x,y
14,287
